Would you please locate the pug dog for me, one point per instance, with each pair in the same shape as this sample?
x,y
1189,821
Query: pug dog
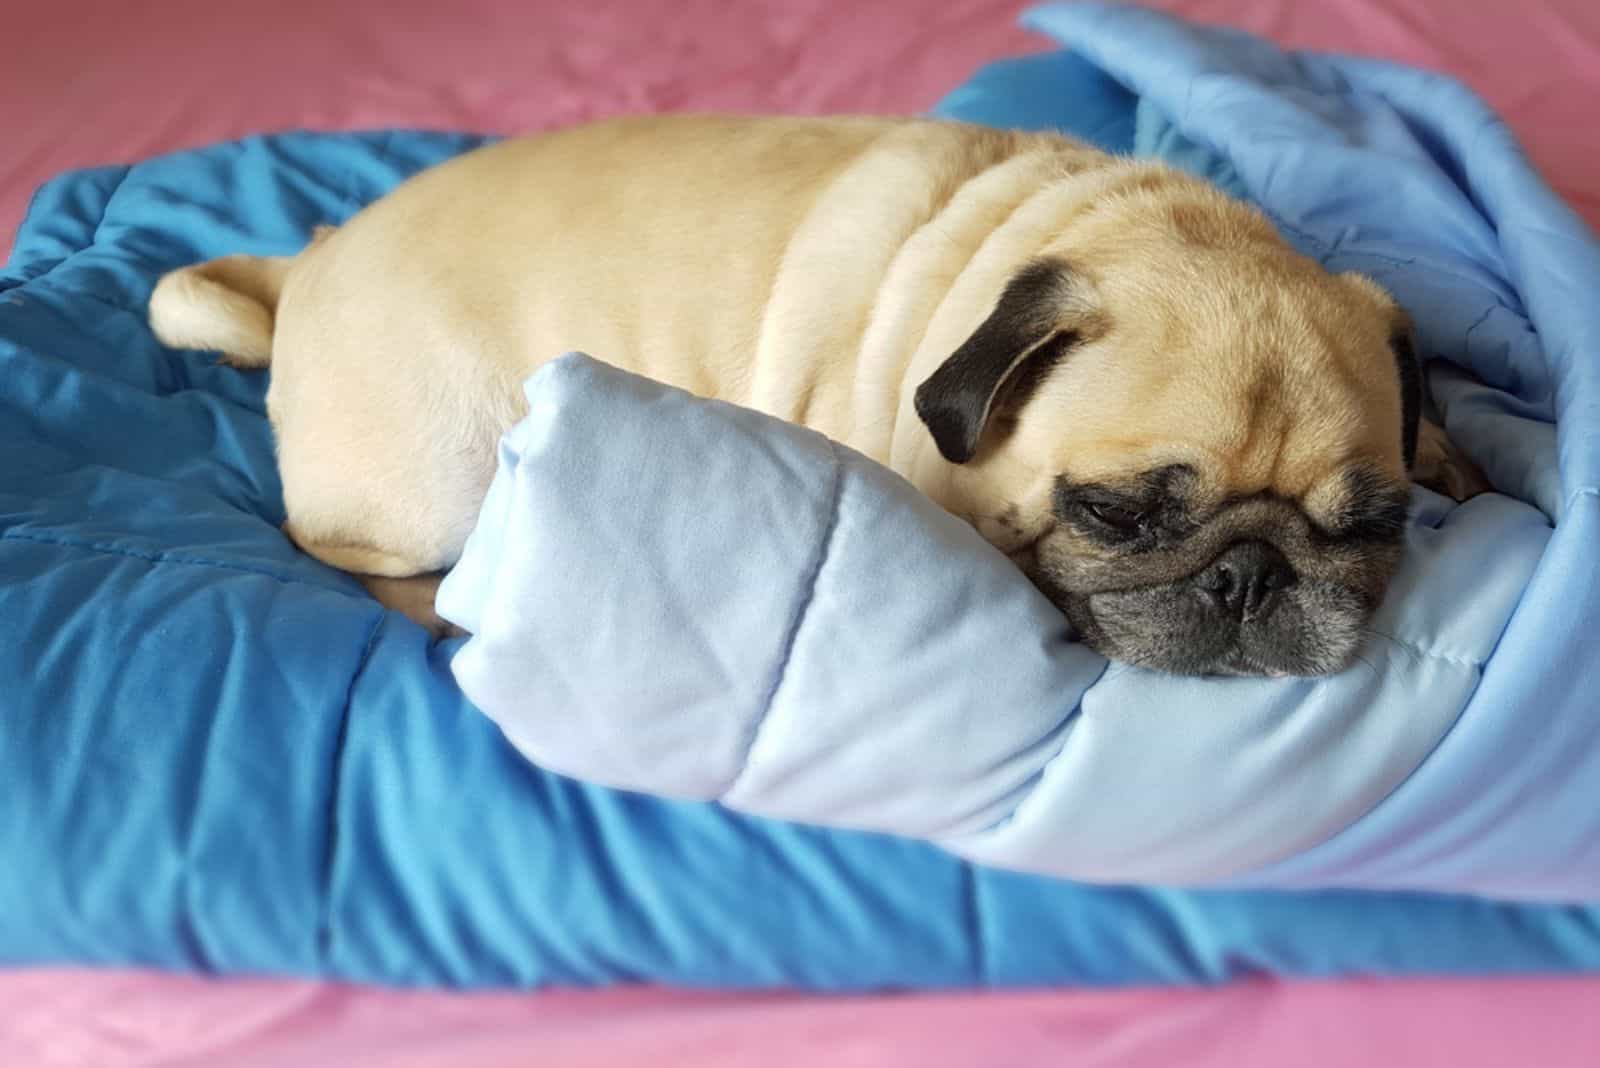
x,y
1196,441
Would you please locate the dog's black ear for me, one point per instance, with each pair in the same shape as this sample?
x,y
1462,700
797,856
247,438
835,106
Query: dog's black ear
x,y
1410,368
1027,325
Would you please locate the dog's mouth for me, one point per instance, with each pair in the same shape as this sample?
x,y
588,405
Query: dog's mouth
x,y
1316,631
1246,603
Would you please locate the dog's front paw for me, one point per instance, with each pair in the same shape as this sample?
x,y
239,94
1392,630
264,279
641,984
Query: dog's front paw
x,y
1442,467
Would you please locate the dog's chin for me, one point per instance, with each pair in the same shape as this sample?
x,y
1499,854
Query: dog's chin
x,y
1316,631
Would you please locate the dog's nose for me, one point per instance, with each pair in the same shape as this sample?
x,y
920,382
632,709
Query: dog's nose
x,y
1244,580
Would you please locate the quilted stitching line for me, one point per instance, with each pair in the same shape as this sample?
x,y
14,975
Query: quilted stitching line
x,y
1027,787
325,929
1466,339
977,929
1419,653
802,606
102,549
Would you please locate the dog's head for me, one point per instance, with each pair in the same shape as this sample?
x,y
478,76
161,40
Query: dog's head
x,y
1194,440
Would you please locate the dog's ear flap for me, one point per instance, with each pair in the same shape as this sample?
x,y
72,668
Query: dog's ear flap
x,y
1029,323
1402,343
1431,458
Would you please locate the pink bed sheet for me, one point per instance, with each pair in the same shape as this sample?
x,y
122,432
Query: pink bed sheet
x,y
127,1020
87,82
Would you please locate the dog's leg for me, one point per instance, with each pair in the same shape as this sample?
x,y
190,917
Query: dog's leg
x,y
413,598
1443,467
400,584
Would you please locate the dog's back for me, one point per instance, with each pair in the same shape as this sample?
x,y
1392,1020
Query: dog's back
x,y
738,258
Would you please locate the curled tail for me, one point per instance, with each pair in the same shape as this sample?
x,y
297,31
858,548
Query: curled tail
x,y
225,305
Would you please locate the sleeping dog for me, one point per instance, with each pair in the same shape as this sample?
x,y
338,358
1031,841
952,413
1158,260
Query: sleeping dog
x,y
1194,440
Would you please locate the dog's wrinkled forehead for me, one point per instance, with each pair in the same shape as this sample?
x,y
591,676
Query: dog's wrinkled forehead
x,y
1156,335
1259,374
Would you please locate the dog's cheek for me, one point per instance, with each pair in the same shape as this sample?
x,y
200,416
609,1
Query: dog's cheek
x,y
1074,564
1026,559
1008,532
1317,631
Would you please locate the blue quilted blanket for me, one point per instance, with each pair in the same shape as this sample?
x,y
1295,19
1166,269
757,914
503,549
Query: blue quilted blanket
x,y
218,755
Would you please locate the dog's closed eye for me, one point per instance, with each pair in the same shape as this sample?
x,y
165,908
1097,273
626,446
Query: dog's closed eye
x,y
1119,518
